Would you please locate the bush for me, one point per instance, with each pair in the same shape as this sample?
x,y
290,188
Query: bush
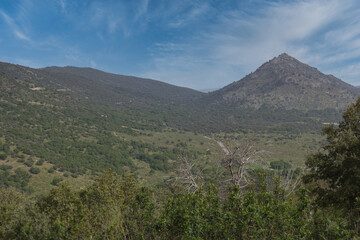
x,y
40,162
34,170
56,181
3,156
5,167
29,162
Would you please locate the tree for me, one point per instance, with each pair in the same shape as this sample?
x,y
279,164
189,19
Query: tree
x,y
238,158
34,170
335,169
190,175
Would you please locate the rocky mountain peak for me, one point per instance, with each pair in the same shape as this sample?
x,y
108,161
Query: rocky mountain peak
x,y
285,82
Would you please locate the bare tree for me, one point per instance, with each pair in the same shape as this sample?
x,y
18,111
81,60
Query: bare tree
x,y
237,159
289,181
189,174
234,166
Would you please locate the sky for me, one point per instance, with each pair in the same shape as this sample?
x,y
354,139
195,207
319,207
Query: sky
x,y
200,44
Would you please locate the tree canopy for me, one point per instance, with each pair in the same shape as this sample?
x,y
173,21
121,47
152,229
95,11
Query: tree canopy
x,y
336,167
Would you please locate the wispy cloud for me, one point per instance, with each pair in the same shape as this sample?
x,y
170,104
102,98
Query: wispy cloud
x,y
350,72
142,10
62,4
14,27
188,16
238,42
279,28
194,43
21,35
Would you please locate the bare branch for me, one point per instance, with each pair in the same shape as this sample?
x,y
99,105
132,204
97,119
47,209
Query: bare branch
x,y
189,175
237,159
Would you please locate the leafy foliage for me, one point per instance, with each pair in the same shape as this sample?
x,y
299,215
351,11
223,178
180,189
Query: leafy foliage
x,y
34,170
51,126
19,179
336,168
115,207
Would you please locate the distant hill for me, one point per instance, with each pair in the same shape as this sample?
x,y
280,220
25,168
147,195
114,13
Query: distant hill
x,y
284,82
136,96
129,85
79,120
45,116
281,95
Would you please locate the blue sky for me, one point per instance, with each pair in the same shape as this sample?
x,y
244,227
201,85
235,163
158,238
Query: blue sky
x,y
198,44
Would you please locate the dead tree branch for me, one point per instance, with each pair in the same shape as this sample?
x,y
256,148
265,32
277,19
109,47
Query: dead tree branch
x,y
237,159
189,175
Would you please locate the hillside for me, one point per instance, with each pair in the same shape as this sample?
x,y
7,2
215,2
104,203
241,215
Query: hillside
x,y
284,82
140,87
58,135
282,95
77,122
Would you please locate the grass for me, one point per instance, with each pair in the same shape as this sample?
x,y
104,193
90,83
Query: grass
x,y
290,148
41,183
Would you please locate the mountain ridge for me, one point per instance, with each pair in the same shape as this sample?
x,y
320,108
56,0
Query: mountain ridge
x,y
146,86
285,82
283,94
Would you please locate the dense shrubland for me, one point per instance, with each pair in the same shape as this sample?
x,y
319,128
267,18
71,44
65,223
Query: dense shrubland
x,y
115,207
76,137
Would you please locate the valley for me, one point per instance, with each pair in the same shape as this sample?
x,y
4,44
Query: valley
x,y
79,122
169,120
87,154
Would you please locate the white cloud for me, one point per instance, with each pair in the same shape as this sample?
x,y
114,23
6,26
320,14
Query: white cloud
x,y
142,10
13,27
314,31
184,18
93,64
21,35
251,40
350,72
62,4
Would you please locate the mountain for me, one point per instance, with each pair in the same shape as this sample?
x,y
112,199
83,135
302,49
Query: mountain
x,y
81,120
46,122
281,95
128,85
284,82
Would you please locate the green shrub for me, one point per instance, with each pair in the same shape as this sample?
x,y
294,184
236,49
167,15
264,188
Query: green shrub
x,y
56,181
34,170
29,162
3,156
40,162
5,167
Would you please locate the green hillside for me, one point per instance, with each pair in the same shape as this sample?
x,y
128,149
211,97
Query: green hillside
x,y
51,130
72,123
